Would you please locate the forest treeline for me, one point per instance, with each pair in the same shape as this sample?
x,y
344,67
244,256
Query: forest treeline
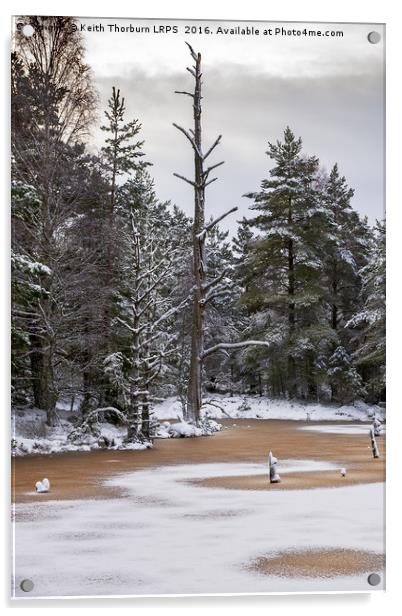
x,y
102,270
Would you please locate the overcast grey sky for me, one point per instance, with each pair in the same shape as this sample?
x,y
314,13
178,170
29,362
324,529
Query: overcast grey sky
x,y
329,90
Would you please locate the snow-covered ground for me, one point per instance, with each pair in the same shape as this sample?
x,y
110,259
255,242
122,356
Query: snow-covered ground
x,y
255,407
167,536
31,435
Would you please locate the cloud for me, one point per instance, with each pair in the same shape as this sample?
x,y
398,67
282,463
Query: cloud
x,y
339,116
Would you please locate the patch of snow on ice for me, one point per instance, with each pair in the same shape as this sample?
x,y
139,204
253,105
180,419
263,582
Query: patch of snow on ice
x,y
168,536
339,429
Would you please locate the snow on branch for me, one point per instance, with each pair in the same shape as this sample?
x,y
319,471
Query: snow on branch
x,y
156,282
151,377
148,273
214,222
173,310
215,404
136,330
89,424
122,322
219,292
153,360
94,415
215,281
233,345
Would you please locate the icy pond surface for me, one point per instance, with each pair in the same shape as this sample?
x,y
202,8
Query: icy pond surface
x,y
167,536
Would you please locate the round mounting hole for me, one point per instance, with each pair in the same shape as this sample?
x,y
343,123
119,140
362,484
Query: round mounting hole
x,y
374,37
374,579
28,30
27,585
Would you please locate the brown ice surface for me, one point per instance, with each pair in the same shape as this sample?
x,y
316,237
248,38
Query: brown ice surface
x,y
82,475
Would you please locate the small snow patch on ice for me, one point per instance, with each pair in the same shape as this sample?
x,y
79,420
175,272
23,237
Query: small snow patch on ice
x,y
339,429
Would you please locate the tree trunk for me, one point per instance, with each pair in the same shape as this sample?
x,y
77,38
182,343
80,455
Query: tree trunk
x,y
312,388
85,405
147,376
134,404
145,417
202,291
133,413
194,393
42,379
291,385
334,315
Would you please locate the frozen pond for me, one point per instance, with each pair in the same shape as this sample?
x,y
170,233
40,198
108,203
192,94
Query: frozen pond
x,y
166,536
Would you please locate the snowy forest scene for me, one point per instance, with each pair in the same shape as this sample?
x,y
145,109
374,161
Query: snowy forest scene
x,y
198,307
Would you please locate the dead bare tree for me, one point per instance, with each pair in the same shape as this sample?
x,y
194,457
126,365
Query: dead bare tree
x,y
204,291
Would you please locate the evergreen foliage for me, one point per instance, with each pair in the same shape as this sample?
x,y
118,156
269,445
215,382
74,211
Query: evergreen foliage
x,y
102,276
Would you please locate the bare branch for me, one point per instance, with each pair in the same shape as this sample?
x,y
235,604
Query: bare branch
x,y
193,54
214,222
189,137
185,133
183,92
181,177
208,171
213,146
